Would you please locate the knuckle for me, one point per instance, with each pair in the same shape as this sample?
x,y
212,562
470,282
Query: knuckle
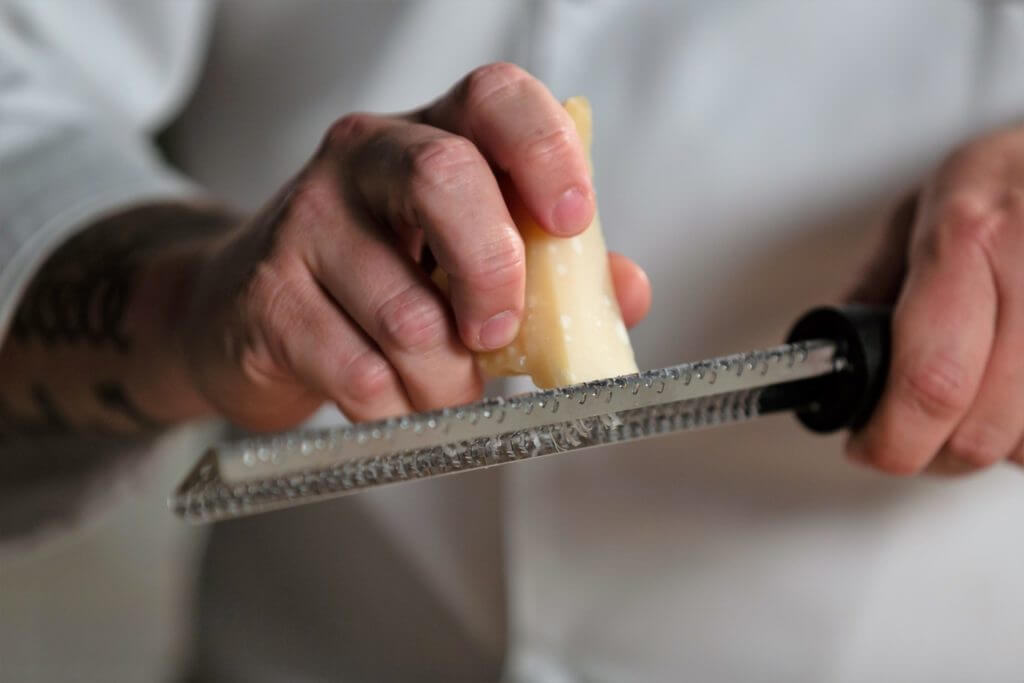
x,y
442,161
495,265
552,146
343,133
367,377
969,219
977,445
412,321
311,201
935,386
271,312
268,296
256,366
493,82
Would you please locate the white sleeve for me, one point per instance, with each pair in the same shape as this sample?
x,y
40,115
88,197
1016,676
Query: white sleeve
x,y
83,87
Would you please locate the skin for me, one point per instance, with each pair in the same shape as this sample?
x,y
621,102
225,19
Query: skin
x,y
168,312
323,296
953,401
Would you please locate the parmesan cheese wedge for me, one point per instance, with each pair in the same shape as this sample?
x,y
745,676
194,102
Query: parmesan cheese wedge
x,y
572,328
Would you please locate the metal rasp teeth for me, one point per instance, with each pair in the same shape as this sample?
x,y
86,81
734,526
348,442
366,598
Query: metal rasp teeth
x,y
207,497
265,473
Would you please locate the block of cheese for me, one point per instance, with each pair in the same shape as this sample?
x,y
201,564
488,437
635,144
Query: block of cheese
x,y
572,328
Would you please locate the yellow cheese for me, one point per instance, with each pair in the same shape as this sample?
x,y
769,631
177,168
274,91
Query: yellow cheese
x,y
572,328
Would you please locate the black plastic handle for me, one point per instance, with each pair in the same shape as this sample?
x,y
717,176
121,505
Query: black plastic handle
x,y
847,398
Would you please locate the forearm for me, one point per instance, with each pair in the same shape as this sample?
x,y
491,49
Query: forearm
x,y
95,344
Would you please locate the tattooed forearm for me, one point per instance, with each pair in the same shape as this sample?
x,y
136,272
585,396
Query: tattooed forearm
x,y
86,307
93,324
82,292
113,396
51,415
49,418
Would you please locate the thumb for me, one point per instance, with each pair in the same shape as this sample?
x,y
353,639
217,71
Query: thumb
x,y
881,279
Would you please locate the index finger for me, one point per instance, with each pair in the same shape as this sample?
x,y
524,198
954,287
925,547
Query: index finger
x,y
417,175
524,131
943,329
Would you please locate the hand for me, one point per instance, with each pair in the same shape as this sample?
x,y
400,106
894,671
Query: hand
x,y
954,400
322,295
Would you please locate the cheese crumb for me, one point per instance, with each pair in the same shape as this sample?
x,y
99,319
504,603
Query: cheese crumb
x,y
620,330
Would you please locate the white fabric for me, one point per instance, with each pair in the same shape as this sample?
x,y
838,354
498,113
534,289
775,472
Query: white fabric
x,y
739,148
81,88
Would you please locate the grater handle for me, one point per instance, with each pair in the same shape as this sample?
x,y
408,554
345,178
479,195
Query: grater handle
x,y
847,398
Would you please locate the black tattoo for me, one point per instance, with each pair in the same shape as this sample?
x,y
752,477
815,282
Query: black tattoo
x,y
81,296
51,414
89,308
48,419
114,397
9,423
82,292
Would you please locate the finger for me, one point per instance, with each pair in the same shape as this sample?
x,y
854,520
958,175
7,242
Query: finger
x,y
995,422
391,299
632,288
520,126
942,465
942,335
331,356
881,280
415,174
407,318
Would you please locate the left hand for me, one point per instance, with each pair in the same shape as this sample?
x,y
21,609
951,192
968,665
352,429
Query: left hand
x,y
954,264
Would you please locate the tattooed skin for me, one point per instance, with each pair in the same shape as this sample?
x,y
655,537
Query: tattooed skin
x,y
77,307
113,396
82,291
79,300
49,419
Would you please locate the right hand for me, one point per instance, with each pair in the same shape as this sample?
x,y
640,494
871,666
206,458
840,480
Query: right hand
x,y
322,296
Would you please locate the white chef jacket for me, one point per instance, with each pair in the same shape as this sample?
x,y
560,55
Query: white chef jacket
x,y
739,148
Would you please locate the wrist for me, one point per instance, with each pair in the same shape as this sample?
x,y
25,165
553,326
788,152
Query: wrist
x,y
160,317
99,336
161,381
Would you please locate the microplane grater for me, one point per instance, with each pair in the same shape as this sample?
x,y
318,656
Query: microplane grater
x,y
829,373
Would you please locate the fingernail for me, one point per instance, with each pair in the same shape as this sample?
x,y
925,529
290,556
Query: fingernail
x,y
499,330
573,212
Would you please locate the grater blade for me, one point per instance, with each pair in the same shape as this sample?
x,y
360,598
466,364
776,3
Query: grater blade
x,y
271,472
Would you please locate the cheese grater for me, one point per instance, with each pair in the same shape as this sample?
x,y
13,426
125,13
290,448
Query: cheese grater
x,y
830,373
